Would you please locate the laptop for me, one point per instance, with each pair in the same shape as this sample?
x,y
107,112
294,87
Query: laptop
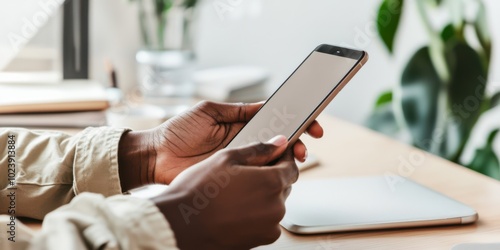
x,y
368,203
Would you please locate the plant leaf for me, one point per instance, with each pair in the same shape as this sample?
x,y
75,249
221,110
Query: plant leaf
x,y
384,98
383,120
485,160
448,33
388,17
167,4
436,3
482,32
491,137
494,100
420,87
190,3
162,6
466,89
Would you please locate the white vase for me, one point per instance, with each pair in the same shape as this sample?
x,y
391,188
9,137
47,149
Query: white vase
x,y
165,78
166,63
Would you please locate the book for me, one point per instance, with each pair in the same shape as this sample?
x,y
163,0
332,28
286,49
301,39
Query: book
x,y
67,96
55,120
232,84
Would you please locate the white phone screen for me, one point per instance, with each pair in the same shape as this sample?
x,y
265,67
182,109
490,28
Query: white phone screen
x,y
297,98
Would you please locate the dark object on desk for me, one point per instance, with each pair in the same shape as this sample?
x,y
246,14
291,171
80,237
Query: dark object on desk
x,y
76,39
55,120
110,68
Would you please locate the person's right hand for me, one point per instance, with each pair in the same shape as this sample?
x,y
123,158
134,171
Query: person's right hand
x,y
233,199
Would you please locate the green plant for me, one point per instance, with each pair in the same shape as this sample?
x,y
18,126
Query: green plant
x,y
157,20
442,92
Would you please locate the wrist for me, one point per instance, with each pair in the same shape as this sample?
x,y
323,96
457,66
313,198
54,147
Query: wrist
x,y
171,204
136,159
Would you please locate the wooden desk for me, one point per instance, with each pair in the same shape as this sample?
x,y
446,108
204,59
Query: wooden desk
x,y
351,150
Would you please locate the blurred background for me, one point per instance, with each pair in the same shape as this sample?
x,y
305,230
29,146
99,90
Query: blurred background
x,y
259,39
273,34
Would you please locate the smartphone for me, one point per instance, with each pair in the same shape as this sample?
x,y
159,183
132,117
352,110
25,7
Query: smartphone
x,y
301,98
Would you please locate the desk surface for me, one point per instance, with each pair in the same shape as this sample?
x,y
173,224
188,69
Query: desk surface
x,y
351,150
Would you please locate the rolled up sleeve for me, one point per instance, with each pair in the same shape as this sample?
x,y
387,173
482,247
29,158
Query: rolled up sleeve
x,y
96,161
51,168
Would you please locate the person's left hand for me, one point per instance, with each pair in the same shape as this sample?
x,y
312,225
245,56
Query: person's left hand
x,y
197,134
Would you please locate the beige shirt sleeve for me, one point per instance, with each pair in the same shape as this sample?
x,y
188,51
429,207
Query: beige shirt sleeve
x,y
51,168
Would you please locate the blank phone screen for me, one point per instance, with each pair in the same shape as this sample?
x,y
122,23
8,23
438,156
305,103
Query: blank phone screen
x,y
296,99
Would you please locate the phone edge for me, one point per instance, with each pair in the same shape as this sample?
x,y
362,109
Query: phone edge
x,y
362,61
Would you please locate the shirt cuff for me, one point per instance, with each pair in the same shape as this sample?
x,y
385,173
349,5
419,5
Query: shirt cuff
x,y
148,228
96,161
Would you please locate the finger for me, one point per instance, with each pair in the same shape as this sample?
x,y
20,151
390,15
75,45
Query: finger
x,y
260,154
300,151
288,170
277,177
315,130
287,192
230,112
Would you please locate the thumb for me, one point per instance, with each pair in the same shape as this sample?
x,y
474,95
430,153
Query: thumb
x,y
260,154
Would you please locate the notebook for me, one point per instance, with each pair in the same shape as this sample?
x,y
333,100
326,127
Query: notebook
x,y
71,95
81,119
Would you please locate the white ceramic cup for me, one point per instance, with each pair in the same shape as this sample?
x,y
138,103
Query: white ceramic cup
x,y
139,117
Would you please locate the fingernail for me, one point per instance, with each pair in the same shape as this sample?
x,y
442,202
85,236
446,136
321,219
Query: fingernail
x,y
306,154
278,140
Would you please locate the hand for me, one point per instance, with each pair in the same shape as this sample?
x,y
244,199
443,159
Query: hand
x,y
233,199
197,134
164,152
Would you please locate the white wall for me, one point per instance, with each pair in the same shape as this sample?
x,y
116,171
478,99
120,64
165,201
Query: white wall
x,y
286,31
277,35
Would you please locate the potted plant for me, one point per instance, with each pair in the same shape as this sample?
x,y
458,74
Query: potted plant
x,y
166,59
442,92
